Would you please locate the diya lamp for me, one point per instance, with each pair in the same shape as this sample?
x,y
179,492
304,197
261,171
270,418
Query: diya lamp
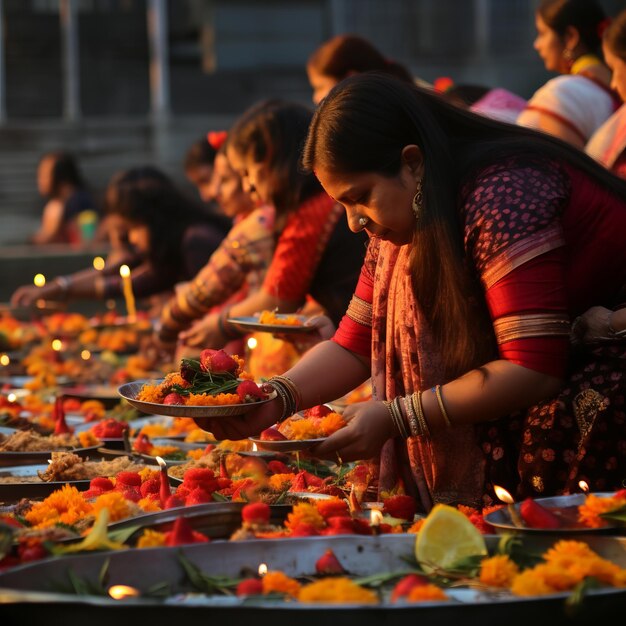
x,y
121,592
262,570
127,287
376,517
5,360
165,491
507,498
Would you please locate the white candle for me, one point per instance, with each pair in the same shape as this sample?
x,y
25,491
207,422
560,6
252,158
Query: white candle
x,y
127,284
507,498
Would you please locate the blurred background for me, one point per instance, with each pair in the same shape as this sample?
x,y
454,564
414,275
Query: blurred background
x,y
127,82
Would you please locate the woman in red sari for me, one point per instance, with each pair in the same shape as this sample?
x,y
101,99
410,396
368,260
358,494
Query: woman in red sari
x,y
486,241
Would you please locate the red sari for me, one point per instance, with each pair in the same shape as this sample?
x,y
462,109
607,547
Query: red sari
x,y
547,243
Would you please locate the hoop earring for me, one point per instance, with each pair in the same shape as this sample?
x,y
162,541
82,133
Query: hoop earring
x,y
418,203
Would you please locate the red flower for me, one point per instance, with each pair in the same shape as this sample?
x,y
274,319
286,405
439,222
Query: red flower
x,y
183,533
249,391
402,507
217,362
329,564
405,585
250,587
537,516
256,513
198,496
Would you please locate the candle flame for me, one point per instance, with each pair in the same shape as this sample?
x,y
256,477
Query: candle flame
x,y
262,569
57,345
124,271
5,359
98,263
252,343
254,447
583,486
376,517
85,355
503,494
39,280
119,592
11,397
161,462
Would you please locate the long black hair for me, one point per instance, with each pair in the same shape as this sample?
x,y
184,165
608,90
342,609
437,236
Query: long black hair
x,y
145,195
65,171
363,125
615,36
273,132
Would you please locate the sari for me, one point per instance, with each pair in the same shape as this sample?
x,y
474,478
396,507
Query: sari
x,y
543,251
608,143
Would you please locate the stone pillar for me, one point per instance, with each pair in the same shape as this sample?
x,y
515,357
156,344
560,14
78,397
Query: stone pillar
x,y
159,59
68,12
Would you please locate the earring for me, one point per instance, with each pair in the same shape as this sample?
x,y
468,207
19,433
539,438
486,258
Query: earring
x,y
363,222
568,55
418,204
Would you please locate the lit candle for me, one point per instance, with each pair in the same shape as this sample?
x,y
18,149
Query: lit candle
x,y
165,491
252,343
376,517
507,498
98,263
12,398
119,592
5,360
85,355
262,570
39,280
128,293
254,447
57,345
584,487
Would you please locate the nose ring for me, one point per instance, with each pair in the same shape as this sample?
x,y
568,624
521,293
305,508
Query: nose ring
x,y
363,222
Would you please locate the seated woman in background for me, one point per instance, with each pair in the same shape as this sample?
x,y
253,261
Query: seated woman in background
x,y
608,144
574,105
172,239
343,56
199,164
316,255
60,181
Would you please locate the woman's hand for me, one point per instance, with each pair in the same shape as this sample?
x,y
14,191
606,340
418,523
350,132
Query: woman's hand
x,y
205,333
324,329
156,350
592,326
241,427
27,295
369,426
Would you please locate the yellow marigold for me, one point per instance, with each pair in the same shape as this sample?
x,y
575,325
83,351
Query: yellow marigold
x,y
151,393
603,570
331,423
280,482
301,429
277,582
197,434
234,445
530,583
87,439
568,548
304,513
119,507
65,505
336,590
173,378
416,526
149,505
195,454
205,399
589,512
163,450
498,571
426,593
151,539
153,430
182,425
147,473
93,406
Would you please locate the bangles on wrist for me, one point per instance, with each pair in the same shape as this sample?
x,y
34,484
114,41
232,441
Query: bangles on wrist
x,y
63,283
226,329
289,394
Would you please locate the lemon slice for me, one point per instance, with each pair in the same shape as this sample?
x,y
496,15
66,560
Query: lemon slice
x,y
446,537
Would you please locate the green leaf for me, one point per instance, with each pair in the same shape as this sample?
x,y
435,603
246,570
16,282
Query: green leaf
x,y
376,580
575,599
218,497
205,583
158,590
122,535
616,515
103,576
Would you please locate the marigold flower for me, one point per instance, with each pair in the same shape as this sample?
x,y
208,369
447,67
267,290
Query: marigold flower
x,y
280,482
333,507
415,527
65,505
589,512
331,423
151,539
119,507
573,549
304,513
149,505
336,590
426,593
277,582
530,583
498,571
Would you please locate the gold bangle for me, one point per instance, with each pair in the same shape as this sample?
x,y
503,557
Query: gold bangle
x,y
395,405
442,408
410,411
419,411
394,421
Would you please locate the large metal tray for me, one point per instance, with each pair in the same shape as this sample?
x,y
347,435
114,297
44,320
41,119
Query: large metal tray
x,y
27,591
13,492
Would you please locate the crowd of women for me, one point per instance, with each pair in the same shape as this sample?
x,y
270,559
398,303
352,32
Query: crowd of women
x,y
462,250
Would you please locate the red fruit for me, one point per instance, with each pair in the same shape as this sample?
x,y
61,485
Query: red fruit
x,y
256,513
405,585
317,411
173,398
402,507
249,391
217,362
329,564
537,516
250,587
272,434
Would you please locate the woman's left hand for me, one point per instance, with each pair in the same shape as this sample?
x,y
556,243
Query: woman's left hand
x,y
369,426
592,326
205,333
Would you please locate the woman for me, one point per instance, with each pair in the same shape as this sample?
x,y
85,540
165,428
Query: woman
x,y
315,254
486,239
574,105
199,163
608,144
343,56
60,181
171,238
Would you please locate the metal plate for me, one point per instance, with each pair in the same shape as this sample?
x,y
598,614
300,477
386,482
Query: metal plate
x,y
13,492
566,509
27,588
21,458
251,323
105,393
286,445
129,392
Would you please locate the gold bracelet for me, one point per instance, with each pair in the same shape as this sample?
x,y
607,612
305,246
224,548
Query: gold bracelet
x,y
442,408
397,409
410,411
419,411
293,388
389,406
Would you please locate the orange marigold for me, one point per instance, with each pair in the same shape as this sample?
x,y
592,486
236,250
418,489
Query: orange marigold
x,y
498,571
336,590
568,548
416,526
301,429
331,423
204,399
426,593
589,512
151,539
530,583
147,473
149,505
151,393
277,582
280,482
333,507
65,505
119,507
304,513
